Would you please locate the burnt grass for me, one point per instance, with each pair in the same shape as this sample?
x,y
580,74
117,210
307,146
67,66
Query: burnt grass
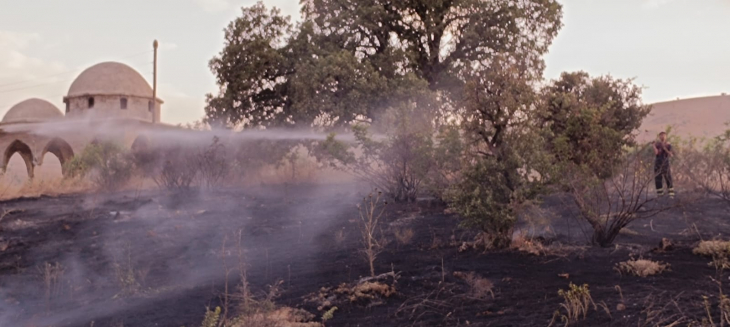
x,y
173,244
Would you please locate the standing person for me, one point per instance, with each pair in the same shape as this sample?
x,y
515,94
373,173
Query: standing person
x,y
662,171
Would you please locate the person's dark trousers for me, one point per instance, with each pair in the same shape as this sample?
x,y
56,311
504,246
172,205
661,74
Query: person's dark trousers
x,y
663,172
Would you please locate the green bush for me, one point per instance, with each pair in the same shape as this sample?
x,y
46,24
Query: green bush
x,y
107,165
485,202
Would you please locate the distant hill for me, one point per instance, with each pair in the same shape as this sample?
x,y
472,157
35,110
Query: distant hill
x,y
699,117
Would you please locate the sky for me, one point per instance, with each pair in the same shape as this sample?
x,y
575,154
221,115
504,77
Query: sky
x,y
673,48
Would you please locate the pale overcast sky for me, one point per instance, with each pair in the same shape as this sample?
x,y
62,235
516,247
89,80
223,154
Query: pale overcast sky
x,y
675,48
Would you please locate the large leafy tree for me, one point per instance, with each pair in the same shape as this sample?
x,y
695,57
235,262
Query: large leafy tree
x,y
351,59
252,70
438,39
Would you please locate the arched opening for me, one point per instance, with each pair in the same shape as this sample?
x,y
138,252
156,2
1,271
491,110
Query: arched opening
x,y
141,143
61,149
24,151
49,170
91,102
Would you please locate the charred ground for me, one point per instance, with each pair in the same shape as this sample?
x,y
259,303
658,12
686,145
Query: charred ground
x,y
307,238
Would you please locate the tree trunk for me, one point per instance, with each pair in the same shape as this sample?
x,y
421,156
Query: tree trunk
x,y
604,237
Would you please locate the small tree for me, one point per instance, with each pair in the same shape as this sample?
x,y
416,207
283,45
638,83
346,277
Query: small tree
x,y
371,210
214,163
447,163
504,153
707,165
588,121
610,204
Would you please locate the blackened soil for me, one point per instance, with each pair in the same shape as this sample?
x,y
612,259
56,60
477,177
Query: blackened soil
x,y
158,259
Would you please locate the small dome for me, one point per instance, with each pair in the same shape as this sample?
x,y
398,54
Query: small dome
x,y
32,110
110,78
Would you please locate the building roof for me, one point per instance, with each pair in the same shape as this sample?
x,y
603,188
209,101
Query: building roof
x,y
110,78
32,110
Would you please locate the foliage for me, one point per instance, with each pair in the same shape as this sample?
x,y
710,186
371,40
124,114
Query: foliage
x,y
329,315
435,40
577,301
589,126
706,164
352,59
250,70
484,201
214,163
249,156
108,166
590,120
447,160
504,155
398,164
211,317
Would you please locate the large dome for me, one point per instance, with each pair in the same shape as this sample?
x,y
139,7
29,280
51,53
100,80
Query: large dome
x,y
110,78
32,110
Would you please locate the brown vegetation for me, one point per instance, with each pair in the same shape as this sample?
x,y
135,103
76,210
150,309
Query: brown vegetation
x,y
371,210
641,267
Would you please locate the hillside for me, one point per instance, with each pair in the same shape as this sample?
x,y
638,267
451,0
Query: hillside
x,y
700,117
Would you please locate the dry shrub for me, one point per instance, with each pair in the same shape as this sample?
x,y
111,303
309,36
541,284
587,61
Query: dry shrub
x,y
281,317
641,267
214,163
610,203
263,312
129,277
371,210
54,187
712,248
525,244
404,236
340,237
482,241
718,250
52,275
370,291
479,287
178,170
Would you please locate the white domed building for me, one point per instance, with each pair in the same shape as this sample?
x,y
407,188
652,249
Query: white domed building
x,y
32,111
112,89
109,100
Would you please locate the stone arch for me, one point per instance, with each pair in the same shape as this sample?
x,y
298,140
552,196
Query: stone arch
x,y
141,143
61,149
25,153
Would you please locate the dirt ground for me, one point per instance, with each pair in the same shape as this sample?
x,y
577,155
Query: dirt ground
x,y
155,258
